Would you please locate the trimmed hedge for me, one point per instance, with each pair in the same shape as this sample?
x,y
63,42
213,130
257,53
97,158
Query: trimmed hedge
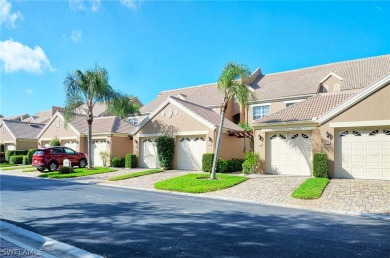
x,y
30,154
118,162
207,162
131,161
223,166
320,165
10,153
65,170
165,151
235,165
251,163
16,159
1,147
25,160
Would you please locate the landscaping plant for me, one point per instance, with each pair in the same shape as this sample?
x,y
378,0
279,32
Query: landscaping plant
x,y
16,159
320,165
251,163
65,170
207,162
165,151
55,142
104,156
131,161
118,162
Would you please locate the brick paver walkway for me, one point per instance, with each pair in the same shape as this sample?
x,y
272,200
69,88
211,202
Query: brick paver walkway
x,y
343,195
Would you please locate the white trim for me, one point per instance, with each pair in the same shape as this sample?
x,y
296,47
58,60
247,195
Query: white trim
x,y
355,99
12,142
360,123
285,124
146,135
45,139
287,129
293,101
57,114
261,104
68,138
191,133
329,75
10,132
177,104
99,138
282,98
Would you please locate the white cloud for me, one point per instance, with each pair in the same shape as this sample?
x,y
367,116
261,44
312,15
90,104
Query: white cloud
x,y
7,16
17,57
131,4
76,36
95,5
79,5
29,91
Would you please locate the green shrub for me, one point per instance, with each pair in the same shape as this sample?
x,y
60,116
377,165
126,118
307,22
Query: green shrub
x,y
30,154
104,156
1,147
131,161
9,153
25,160
165,151
222,166
16,159
55,142
118,162
65,170
235,165
320,165
251,163
207,162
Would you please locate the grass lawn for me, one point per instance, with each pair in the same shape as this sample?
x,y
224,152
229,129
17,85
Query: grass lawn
x,y
78,172
16,167
137,174
199,183
3,165
312,188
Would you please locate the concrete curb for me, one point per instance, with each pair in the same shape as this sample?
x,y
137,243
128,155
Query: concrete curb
x,y
50,247
292,206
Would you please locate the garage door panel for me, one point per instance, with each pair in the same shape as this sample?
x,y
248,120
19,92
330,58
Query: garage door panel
x,y
149,158
190,150
368,157
98,146
289,154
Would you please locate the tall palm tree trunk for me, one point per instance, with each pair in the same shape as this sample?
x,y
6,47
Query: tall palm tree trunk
x,y
218,145
89,139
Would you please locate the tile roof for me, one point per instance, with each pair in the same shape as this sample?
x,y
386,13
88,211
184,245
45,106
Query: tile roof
x,y
306,110
39,117
23,130
356,74
207,114
98,109
109,124
204,95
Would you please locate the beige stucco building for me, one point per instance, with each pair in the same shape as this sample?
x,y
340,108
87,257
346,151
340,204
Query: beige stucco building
x,y
16,135
110,135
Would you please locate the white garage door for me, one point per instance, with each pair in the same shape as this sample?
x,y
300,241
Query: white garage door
x,y
289,154
97,147
362,153
71,144
11,146
190,150
149,158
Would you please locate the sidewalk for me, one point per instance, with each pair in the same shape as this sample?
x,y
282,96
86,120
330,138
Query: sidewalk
x,y
18,242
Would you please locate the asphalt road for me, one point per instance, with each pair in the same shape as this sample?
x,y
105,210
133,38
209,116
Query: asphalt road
x,y
116,222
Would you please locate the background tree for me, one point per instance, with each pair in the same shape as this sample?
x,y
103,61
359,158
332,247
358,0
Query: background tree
x,y
231,83
89,88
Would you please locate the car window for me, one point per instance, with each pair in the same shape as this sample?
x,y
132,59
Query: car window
x,y
38,152
68,151
57,151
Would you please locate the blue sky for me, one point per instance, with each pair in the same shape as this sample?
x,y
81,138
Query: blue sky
x,y
150,46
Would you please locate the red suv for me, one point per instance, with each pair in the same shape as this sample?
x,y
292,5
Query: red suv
x,y
52,157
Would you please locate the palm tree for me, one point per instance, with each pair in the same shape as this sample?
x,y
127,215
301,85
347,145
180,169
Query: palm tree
x,y
231,83
90,88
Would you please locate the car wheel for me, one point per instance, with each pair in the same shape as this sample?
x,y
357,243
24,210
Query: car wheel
x,y
53,166
40,169
82,163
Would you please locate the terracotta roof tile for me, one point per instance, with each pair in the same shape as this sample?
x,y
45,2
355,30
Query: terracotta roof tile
x,y
356,74
23,130
313,107
208,114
